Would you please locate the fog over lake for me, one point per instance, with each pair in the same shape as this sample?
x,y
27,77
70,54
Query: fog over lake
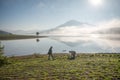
x,y
93,43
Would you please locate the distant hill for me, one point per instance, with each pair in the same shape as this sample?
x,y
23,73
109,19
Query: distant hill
x,y
4,32
114,30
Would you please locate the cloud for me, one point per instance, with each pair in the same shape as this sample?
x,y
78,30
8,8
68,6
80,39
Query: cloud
x,y
109,27
72,30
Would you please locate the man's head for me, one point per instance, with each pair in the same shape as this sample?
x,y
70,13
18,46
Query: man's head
x,y
51,47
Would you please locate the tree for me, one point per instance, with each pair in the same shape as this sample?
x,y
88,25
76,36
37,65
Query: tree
x,y
37,33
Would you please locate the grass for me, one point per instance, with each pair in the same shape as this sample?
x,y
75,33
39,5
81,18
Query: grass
x,y
13,36
84,67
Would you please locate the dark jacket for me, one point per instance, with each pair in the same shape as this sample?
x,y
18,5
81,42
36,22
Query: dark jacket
x,y
50,50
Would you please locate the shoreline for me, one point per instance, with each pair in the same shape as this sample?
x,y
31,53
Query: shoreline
x,y
16,37
62,54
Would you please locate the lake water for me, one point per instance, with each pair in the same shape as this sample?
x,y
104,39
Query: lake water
x,y
86,44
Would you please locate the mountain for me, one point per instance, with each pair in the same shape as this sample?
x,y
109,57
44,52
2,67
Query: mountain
x,y
70,28
71,23
4,32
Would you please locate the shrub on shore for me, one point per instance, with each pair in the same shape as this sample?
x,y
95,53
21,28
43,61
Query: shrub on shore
x,y
3,60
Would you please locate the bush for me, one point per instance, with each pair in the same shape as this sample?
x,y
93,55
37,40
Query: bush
x,y
3,60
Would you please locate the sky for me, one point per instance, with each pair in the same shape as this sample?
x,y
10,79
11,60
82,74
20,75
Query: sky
x,y
47,14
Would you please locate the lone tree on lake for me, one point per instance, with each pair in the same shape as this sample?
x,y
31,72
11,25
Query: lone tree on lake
x,y
37,33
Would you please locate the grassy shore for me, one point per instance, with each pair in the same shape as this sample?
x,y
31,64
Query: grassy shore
x,y
12,37
84,67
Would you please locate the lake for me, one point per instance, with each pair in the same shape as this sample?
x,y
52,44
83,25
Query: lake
x,y
80,44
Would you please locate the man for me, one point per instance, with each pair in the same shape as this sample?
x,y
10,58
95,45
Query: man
x,y
50,53
73,53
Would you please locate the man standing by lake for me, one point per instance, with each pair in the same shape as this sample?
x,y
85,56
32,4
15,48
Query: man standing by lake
x,y
50,53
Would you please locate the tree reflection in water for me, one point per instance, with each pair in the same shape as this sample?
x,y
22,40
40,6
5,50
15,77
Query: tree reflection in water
x,y
37,40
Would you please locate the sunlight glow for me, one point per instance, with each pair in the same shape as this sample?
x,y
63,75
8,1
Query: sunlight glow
x,y
96,2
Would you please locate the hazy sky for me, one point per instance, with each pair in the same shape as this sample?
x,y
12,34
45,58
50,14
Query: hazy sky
x,y
45,14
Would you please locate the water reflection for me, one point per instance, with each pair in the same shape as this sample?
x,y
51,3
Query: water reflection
x,y
37,40
87,44
102,43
